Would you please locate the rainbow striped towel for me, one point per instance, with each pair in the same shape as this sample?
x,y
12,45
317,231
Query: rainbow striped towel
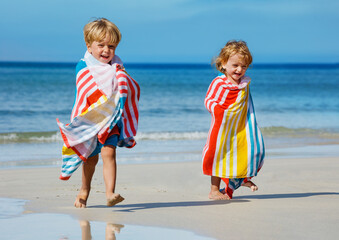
x,y
235,146
106,94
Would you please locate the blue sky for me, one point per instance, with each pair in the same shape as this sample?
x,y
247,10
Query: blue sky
x,y
175,31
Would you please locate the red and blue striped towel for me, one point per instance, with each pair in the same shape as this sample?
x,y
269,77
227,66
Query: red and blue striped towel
x,y
105,95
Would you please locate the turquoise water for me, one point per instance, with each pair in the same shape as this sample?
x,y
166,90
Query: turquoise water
x,y
295,105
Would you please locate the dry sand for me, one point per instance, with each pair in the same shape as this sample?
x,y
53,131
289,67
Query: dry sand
x,y
297,199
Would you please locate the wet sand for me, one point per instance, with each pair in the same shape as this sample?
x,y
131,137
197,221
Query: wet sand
x,y
297,199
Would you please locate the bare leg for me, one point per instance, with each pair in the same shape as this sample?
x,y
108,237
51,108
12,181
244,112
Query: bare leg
x,y
109,171
88,169
215,194
251,185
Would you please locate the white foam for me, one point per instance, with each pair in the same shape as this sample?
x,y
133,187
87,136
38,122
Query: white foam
x,y
171,136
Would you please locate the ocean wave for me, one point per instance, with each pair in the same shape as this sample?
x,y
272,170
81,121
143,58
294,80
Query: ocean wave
x,y
280,131
46,137
30,137
171,135
271,132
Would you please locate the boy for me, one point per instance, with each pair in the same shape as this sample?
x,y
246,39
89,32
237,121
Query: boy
x,y
105,112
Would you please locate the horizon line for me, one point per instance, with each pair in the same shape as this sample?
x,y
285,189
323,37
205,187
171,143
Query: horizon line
x,y
290,64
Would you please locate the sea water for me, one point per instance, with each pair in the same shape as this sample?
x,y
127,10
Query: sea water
x,y
295,104
16,225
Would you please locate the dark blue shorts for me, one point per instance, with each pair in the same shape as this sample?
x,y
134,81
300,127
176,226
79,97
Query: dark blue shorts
x,y
112,141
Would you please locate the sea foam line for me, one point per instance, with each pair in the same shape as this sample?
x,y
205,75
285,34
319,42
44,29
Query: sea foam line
x,y
46,137
30,137
171,135
271,132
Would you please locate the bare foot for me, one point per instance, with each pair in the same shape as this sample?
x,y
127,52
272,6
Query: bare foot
x,y
114,199
251,185
81,199
217,195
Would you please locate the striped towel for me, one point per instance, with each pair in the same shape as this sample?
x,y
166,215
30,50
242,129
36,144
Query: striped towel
x,y
97,109
235,146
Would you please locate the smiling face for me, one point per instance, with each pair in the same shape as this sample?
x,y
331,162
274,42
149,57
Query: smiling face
x,y
235,68
103,51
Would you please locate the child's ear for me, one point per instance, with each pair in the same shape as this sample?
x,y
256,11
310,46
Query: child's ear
x,y
223,64
89,48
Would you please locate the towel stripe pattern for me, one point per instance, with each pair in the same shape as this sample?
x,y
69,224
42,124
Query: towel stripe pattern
x,y
235,147
95,114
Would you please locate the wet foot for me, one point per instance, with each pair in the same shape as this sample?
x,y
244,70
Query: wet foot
x,y
81,199
114,199
217,195
251,185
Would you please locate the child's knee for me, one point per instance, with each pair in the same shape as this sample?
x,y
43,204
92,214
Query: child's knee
x,y
92,160
108,152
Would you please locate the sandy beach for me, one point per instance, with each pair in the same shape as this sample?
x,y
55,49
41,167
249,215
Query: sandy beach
x,y
297,199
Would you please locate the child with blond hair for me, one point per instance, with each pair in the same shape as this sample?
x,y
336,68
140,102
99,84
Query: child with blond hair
x,y
234,152
105,112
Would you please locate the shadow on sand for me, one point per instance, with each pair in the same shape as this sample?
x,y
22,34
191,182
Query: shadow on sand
x,y
236,199
286,195
142,206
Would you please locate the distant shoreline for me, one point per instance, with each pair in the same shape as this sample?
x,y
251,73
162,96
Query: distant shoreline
x,y
173,65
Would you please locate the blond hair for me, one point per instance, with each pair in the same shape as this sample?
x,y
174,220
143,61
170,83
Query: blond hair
x,y
231,48
98,29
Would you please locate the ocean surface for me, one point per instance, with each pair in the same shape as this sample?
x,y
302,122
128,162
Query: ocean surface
x,y
297,105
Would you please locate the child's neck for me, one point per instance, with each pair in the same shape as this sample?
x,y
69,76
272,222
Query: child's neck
x,y
235,82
